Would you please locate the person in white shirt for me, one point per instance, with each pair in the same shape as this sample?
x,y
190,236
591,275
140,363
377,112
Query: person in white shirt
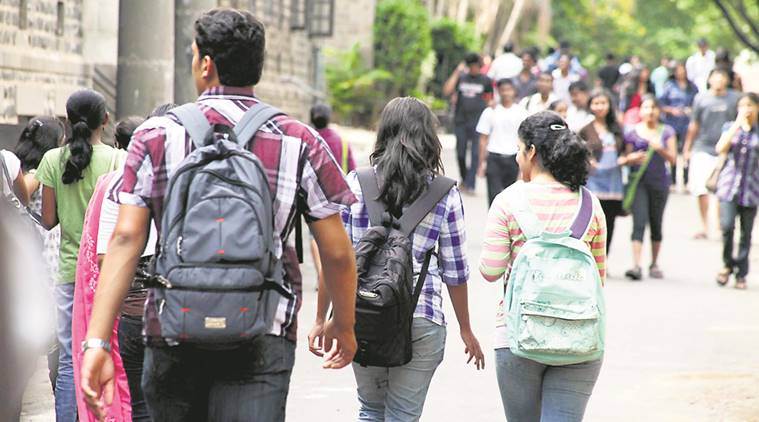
x,y
578,115
507,65
563,76
12,171
700,64
498,128
543,98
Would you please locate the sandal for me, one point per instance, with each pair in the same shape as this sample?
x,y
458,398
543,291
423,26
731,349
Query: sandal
x,y
636,274
655,272
700,236
724,276
740,283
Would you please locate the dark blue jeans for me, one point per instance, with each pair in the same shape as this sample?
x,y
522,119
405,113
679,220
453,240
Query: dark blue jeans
x,y
190,383
132,351
728,211
466,138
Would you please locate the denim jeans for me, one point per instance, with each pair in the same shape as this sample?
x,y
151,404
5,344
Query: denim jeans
x,y
398,394
65,395
533,392
132,351
467,138
728,211
193,383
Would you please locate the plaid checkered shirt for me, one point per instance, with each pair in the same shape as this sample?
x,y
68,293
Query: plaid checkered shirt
x,y
303,177
443,228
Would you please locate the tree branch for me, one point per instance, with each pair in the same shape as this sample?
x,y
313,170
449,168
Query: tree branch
x,y
741,8
744,39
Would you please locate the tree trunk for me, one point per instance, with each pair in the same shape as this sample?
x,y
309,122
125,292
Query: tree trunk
x,y
544,22
462,11
512,23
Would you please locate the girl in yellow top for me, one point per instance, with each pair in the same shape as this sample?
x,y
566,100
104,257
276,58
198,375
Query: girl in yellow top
x,y
554,163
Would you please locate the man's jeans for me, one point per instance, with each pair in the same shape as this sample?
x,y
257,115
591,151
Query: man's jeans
x,y
132,351
533,392
728,211
65,395
467,137
398,394
190,383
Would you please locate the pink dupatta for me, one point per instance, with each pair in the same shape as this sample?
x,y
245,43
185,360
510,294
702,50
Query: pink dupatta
x,y
87,272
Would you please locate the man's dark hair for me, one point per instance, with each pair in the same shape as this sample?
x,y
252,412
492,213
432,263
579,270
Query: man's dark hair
x,y
472,58
564,45
505,81
235,40
320,116
528,52
578,86
508,47
610,56
720,70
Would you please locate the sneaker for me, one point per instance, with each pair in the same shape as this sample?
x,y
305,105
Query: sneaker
x,y
655,272
636,274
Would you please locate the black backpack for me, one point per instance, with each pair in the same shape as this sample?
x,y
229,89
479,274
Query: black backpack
x,y
386,296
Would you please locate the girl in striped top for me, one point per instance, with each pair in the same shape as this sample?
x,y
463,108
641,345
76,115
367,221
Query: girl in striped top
x,y
554,164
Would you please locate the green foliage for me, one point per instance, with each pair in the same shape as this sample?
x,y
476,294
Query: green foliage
x,y
401,43
450,43
647,28
353,87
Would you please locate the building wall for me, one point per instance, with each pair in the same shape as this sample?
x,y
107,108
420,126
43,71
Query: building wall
x,y
354,23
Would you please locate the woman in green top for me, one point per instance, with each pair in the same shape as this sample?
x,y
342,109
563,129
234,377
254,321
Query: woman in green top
x,y
68,176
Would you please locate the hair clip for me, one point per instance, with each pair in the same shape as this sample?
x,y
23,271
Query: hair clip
x,y
556,126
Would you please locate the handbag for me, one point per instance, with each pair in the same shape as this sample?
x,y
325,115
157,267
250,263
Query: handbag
x,y
713,180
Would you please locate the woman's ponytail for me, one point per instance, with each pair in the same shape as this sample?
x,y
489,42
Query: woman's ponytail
x,y
86,112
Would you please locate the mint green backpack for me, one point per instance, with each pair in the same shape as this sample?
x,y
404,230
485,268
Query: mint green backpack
x,y
554,302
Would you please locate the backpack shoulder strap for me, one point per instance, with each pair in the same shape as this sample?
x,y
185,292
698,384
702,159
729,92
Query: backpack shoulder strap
x,y
194,122
367,178
520,207
437,190
252,120
584,215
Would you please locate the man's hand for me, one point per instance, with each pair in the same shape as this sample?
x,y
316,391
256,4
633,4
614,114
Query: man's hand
x,y
97,380
472,348
316,339
339,345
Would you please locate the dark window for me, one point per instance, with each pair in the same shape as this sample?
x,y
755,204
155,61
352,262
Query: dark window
x,y
321,17
23,18
298,14
61,14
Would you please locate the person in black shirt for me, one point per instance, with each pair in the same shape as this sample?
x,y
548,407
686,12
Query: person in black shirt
x,y
471,92
609,74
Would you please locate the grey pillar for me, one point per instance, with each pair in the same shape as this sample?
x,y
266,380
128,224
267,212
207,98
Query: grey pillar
x,y
146,56
185,14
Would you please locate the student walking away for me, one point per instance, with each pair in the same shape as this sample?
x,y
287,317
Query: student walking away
x,y
563,76
498,140
546,370
127,348
676,103
527,80
578,114
40,135
606,142
543,98
409,234
738,188
68,175
700,65
651,148
711,110
473,92
230,346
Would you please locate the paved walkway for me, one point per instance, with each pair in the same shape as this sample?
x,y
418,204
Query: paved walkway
x,y
678,349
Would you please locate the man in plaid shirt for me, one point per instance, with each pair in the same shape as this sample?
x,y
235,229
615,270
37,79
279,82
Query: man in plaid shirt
x,y
185,382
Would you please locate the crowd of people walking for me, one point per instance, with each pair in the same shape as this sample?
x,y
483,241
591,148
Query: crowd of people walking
x,y
177,288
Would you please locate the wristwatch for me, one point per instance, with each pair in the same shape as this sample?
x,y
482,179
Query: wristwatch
x,y
96,343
